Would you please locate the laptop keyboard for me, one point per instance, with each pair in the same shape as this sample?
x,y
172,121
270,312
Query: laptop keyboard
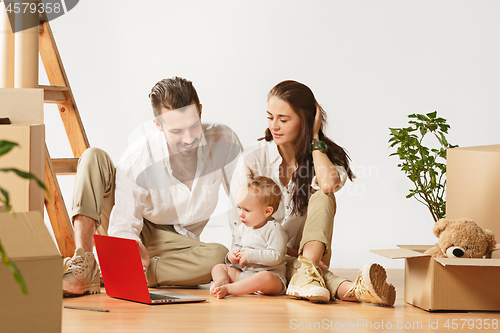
x,y
155,297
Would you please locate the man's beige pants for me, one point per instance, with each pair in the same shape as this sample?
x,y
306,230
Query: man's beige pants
x,y
175,259
318,227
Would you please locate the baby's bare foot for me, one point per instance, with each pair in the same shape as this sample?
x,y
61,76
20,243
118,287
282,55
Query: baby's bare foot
x,y
222,291
216,284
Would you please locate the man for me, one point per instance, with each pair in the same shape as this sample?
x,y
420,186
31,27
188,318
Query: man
x,y
163,192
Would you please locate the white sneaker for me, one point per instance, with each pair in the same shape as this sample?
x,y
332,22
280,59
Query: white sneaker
x,y
371,286
82,276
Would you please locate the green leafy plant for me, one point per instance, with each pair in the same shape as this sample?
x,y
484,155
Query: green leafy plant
x,y
424,166
5,147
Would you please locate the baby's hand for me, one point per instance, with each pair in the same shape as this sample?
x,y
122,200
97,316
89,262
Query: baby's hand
x,y
233,257
242,255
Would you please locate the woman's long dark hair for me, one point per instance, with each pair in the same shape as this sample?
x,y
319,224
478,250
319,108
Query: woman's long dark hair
x,y
303,102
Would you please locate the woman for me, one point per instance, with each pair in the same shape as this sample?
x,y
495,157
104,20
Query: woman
x,y
309,168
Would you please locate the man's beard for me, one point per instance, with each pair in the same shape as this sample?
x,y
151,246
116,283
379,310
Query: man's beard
x,y
187,153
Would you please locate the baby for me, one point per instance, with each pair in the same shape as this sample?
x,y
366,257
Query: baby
x,y
256,263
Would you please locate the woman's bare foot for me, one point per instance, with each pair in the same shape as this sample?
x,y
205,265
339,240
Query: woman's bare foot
x,y
217,284
222,291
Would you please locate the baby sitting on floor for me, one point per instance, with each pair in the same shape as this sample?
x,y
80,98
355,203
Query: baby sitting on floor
x,y
256,262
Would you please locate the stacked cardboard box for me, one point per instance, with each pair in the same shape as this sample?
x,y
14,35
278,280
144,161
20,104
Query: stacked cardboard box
x,y
473,185
29,245
29,156
24,108
24,235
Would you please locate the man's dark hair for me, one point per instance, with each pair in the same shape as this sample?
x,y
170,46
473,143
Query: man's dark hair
x,y
174,93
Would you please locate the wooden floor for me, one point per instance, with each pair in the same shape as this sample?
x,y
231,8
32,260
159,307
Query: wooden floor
x,y
255,313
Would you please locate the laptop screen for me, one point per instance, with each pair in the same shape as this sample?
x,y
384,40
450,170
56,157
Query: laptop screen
x,y
121,268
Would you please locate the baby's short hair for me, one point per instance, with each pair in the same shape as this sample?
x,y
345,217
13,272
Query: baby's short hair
x,y
266,189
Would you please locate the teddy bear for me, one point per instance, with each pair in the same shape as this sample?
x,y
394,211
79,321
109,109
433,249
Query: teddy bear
x,y
461,238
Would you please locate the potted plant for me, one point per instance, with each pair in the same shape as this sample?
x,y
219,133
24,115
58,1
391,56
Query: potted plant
x,y
424,166
5,147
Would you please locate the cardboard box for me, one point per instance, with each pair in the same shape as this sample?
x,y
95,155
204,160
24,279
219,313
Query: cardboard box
x,y
473,185
448,284
22,106
29,245
25,195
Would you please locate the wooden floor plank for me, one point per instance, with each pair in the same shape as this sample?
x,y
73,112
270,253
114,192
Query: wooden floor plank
x,y
255,313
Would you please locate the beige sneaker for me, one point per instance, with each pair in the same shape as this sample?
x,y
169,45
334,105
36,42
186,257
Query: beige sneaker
x,y
82,276
308,283
371,286
66,263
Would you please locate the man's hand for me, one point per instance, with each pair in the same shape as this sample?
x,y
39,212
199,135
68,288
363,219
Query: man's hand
x,y
242,255
144,255
292,252
233,257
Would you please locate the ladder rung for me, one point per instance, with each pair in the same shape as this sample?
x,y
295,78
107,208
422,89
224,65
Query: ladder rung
x,y
54,94
65,166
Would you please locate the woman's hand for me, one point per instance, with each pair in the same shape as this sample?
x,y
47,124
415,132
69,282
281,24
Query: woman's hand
x,y
318,120
327,174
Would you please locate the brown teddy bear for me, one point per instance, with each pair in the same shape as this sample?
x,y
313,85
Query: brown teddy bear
x,y
461,239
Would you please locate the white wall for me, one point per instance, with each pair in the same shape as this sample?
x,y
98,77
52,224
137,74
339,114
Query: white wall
x,y
370,64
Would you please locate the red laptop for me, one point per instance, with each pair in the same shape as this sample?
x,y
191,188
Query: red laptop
x,y
124,277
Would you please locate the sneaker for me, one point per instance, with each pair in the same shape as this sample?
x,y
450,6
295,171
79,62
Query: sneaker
x,y
371,286
82,276
66,263
308,283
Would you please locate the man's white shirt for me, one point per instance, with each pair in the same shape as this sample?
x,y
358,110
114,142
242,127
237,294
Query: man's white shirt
x,y
146,187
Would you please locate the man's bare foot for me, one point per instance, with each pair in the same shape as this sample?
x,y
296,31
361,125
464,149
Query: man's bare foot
x,y
222,291
216,284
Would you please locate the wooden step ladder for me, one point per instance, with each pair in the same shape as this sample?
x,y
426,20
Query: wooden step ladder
x,y
59,92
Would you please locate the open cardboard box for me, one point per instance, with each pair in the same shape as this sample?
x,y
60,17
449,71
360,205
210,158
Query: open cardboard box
x,y
29,245
447,283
